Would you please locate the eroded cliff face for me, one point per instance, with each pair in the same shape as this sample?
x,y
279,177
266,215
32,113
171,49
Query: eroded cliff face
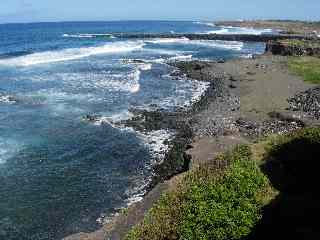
x,y
294,48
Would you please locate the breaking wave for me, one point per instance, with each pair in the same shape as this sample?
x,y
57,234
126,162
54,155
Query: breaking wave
x,y
7,99
232,45
167,40
72,53
88,35
240,30
210,24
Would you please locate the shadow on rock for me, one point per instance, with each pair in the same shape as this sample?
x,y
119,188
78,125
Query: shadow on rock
x,y
293,169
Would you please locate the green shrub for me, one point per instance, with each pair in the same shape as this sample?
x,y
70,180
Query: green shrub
x,y
213,202
307,67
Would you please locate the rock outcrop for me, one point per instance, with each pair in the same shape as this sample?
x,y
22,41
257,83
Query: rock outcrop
x,y
293,48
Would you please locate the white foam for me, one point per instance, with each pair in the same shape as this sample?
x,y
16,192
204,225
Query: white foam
x,y
210,24
114,118
240,30
73,53
233,45
167,40
138,191
7,99
199,90
247,56
144,66
181,58
155,142
126,83
88,35
187,93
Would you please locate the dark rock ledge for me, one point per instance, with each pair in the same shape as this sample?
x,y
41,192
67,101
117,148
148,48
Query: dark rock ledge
x,y
223,37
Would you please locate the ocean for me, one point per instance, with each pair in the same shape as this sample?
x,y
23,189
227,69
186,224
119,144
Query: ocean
x,y
59,174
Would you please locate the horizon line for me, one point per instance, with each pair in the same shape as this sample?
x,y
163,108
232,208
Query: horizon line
x,y
158,20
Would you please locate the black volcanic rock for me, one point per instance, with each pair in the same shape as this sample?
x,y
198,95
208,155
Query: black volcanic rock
x,y
287,49
308,101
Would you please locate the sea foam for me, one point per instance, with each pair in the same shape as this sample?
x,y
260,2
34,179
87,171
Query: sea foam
x,y
72,53
126,82
167,40
157,143
7,99
233,45
88,35
210,24
240,30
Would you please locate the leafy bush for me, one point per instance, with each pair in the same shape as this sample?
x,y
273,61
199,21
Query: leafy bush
x,y
217,201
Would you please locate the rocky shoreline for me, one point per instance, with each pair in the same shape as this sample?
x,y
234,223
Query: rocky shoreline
x,y
186,122
216,122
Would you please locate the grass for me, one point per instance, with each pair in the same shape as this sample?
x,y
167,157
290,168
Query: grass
x,y
307,67
212,202
301,43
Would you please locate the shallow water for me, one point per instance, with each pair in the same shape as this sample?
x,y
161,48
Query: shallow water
x,y
59,174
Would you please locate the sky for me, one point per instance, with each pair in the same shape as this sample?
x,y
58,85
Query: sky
x,y
100,10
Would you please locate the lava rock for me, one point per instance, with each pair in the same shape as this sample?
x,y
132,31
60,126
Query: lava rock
x,y
308,101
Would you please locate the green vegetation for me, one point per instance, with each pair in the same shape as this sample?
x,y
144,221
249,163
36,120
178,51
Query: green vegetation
x,y
301,43
268,190
307,67
217,201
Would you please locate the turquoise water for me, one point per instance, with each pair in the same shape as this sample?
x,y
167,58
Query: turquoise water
x,y
58,174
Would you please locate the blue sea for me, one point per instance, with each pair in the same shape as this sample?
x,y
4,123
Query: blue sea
x,y
61,175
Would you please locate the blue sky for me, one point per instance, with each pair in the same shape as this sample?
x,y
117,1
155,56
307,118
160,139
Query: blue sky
x,y
69,10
